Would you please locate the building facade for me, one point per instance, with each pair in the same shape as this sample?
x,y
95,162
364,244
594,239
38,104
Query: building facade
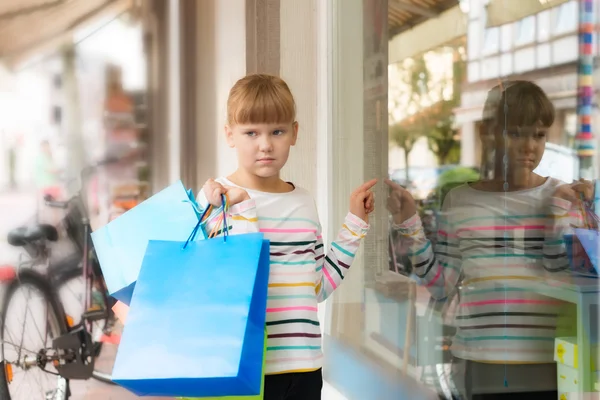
x,y
543,48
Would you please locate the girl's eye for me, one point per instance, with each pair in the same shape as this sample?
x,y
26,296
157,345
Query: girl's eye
x,y
251,134
278,132
541,135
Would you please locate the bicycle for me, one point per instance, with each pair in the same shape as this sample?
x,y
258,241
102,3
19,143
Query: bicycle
x,y
73,345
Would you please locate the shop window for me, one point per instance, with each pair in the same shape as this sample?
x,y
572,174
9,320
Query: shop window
x,y
491,42
543,26
506,37
525,31
566,18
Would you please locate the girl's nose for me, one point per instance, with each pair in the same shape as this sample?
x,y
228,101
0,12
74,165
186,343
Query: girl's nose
x,y
266,144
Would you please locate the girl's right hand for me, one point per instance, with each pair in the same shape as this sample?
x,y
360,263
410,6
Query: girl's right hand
x,y
213,191
575,191
400,203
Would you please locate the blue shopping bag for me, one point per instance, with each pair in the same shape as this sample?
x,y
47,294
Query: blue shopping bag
x,y
590,241
120,245
197,318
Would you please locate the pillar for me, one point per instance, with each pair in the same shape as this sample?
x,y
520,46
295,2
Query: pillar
x,y
74,126
586,148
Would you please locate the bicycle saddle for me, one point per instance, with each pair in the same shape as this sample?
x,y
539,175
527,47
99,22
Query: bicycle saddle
x,y
27,234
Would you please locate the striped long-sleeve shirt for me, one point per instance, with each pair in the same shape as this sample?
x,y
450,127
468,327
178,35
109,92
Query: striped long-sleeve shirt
x,y
301,273
499,244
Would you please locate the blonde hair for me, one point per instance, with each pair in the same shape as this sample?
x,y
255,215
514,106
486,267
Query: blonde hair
x,y
260,99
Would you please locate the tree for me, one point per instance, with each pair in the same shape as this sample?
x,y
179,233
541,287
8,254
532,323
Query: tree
x,y
405,139
423,105
442,138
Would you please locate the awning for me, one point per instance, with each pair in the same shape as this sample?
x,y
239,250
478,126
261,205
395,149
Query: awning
x,y
500,12
407,14
27,26
449,26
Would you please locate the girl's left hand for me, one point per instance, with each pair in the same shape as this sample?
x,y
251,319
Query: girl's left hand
x,y
362,200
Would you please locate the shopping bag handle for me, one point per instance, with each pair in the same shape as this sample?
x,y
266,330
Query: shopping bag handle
x,y
221,225
204,218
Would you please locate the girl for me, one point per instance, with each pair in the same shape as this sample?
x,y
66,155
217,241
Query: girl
x,y
261,126
496,235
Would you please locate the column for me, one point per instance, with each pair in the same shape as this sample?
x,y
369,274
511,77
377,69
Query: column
x,y
156,47
188,121
75,144
174,57
586,148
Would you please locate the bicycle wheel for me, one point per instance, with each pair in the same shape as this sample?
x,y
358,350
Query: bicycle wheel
x,y
28,370
69,283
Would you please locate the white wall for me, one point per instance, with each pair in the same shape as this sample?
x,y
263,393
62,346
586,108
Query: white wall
x,y
230,61
221,62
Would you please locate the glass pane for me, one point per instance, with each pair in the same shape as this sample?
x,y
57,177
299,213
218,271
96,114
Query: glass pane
x,y
525,31
543,26
491,42
566,18
484,270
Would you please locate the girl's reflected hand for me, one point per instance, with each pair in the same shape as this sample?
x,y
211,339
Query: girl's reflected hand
x,y
400,202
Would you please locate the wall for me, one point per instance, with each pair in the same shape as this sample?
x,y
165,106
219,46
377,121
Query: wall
x,y
221,61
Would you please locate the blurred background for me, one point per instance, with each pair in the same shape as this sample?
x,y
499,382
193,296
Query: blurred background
x,y
385,88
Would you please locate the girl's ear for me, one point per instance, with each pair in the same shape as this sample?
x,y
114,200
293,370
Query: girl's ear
x,y
229,136
295,135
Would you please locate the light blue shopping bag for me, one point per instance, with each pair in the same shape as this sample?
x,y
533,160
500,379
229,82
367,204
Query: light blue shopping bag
x,y
197,320
120,245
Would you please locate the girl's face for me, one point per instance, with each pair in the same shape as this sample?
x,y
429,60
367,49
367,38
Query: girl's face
x,y
262,149
524,147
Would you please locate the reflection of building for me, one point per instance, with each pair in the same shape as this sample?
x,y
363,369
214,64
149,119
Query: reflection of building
x,y
542,47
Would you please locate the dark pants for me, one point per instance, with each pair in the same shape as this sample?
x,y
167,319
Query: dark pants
x,y
482,381
294,386
514,396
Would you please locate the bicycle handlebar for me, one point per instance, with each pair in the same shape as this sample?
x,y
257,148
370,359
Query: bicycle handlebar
x,y
57,204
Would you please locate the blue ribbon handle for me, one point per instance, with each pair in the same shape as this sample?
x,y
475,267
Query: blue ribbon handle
x,y
201,221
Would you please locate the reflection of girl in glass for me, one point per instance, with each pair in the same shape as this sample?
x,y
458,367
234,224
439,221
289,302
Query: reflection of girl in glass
x,y
501,236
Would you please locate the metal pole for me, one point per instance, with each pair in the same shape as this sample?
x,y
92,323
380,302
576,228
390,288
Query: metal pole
x,y
586,148
75,140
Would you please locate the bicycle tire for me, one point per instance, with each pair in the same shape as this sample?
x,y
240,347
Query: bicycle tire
x,y
62,275
70,269
41,284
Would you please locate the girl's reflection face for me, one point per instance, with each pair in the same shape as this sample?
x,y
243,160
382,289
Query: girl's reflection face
x,y
524,147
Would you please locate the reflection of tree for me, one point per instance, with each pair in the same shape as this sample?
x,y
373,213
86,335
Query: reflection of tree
x,y
442,137
404,139
427,105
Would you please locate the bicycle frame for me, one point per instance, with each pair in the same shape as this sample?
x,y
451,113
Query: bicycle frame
x,y
79,201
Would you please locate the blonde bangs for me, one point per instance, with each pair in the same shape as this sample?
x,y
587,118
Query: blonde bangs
x,y
260,99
